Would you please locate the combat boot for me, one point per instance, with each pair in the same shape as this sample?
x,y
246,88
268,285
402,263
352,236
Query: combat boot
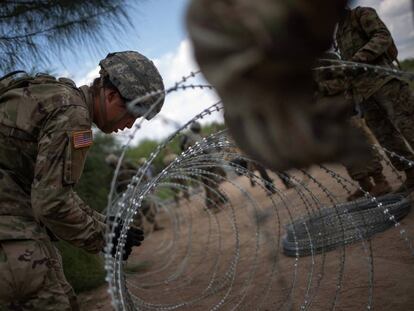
x,y
366,184
381,186
408,185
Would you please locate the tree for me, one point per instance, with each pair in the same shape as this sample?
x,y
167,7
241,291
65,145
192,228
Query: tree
x,y
32,31
408,65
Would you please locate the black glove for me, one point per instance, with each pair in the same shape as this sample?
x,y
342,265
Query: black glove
x,y
134,238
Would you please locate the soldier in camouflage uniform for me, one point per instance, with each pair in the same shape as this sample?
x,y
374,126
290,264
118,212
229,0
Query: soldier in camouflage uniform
x,y
45,134
258,55
148,209
215,198
334,87
168,158
369,174
385,100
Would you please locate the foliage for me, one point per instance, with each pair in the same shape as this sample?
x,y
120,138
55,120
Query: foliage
x,y
32,31
83,271
137,267
408,65
146,147
212,128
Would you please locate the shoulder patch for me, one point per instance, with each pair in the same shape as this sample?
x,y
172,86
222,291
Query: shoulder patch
x,y
82,139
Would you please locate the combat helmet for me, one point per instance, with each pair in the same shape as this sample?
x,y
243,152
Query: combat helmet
x,y
134,76
195,127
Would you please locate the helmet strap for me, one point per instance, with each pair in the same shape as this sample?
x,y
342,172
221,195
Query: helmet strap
x,y
102,107
103,114
109,125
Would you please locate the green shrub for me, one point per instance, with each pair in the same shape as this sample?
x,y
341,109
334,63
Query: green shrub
x,y
408,65
83,271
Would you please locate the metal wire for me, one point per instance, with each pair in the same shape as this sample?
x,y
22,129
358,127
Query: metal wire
x,y
224,251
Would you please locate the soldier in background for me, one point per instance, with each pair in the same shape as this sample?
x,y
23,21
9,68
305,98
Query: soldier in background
x,y
45,134
215,198
369,174
148,209
168,158
333,88
385,100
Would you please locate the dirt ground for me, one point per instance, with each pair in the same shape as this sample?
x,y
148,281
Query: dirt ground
x,y
229,260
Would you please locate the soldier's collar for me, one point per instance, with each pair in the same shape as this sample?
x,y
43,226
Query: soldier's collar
x,y
87,95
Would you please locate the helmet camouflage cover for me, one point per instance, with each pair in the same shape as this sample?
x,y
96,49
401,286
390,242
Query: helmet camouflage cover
x,y
134,75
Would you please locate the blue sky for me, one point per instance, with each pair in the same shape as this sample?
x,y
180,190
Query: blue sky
x,y
160,26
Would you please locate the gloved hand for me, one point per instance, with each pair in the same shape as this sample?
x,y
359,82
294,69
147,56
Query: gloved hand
x,y
134,238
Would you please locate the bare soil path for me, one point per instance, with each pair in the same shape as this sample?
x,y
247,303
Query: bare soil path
x,y
197,252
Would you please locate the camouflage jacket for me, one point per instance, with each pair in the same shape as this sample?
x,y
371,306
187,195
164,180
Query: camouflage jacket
x,y
331,83
45,132
362,37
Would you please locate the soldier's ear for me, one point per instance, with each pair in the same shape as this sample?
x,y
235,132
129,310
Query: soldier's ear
x,y
111,94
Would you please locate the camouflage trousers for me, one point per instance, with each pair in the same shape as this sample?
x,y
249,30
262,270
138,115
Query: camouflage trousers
x,y
356,168
389,113
31,277
214,196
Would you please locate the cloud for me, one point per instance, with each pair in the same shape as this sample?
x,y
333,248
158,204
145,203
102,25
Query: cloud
x,y
179,106
88,78
398,16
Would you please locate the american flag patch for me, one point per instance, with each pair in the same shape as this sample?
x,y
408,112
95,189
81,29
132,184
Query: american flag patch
x,y
82,139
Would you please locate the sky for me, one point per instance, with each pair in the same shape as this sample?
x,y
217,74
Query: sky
x,y
398,16
160,35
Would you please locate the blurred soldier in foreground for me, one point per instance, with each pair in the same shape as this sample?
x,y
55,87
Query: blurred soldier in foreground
x,y
45,134
334,87
258,55
385,100
215,198
148,209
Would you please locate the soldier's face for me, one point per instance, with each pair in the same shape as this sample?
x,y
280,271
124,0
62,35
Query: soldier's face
x,y
116,116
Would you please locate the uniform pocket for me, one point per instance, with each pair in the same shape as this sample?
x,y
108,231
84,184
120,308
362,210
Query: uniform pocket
x,y
28,265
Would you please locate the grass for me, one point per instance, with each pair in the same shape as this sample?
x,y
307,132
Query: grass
x,y
137,267
83,271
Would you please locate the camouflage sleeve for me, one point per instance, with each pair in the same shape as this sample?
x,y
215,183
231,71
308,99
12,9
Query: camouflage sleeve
x,y
379,37
58,168
332,87
90,211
